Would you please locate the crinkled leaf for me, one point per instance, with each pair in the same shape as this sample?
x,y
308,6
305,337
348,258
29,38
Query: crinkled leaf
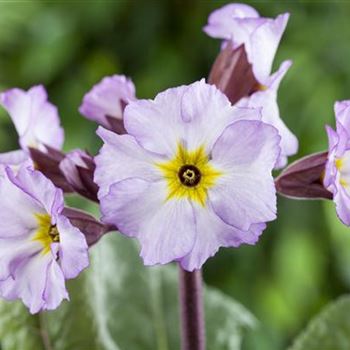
x,y
330,330
118,304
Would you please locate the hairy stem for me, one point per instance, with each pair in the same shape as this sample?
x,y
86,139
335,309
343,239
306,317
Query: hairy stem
x,y
192,313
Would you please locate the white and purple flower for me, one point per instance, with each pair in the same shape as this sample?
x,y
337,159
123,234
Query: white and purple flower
x,y
192,175
106,101
241,24
36,121
337,173
39,247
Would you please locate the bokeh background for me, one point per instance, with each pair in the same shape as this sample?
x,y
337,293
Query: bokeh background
x,y
303,259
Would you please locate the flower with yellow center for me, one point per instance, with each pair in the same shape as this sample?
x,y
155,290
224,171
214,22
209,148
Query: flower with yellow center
x,y
46,233
189,174
193,174
40,248
337,171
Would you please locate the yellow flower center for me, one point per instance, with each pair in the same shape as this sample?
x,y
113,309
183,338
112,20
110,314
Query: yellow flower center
x,y
189,174
46,232
339,164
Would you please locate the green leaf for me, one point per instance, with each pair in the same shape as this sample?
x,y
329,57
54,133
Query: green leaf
x,y
330,330
118,304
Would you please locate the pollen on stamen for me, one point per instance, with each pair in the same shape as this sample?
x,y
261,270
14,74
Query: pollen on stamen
x,y
46,233
189,175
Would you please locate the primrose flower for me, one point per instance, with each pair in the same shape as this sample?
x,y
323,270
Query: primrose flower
x,y
192,175
106,101
39,247
35,118
337,174
242,24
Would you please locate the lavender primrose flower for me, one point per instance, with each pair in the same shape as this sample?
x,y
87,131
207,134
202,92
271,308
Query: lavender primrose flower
x,y
106,101
337,172
192,175
241,24
39,247
36,121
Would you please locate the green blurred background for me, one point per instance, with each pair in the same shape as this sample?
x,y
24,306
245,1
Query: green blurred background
x,y
303,259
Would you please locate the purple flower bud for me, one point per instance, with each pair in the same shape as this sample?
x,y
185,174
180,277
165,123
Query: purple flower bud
x,y
232,74
48,163
303,179
106,101
78,168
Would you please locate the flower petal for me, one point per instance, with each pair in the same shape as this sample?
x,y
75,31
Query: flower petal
x,y
207,112
342,112
122,157
17,210
107,98
241,24
267,99
213,233
28,282
264,43
36,120
157,124
165,228
193,115
73,250
40,188
13,251
55,290
342,202
245,194
221,21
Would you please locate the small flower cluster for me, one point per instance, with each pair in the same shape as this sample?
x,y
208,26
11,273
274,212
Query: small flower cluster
x,y
185,173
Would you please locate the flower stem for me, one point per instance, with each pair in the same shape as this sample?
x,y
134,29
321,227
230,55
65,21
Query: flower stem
x,y
191,307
